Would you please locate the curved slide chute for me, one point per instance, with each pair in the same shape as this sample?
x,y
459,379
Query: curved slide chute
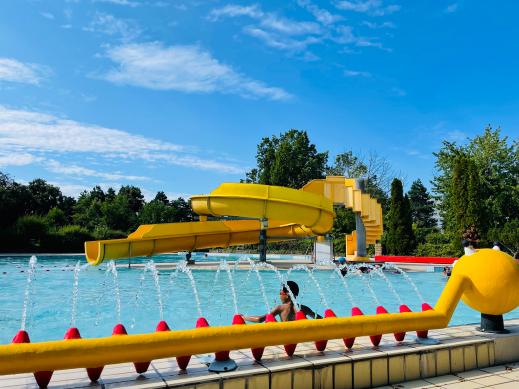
x,y
291,214
151,239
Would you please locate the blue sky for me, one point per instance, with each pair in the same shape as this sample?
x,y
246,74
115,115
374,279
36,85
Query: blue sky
x,y
175,95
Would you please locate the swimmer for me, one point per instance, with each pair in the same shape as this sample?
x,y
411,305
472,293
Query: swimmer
x,y
342,263
286,310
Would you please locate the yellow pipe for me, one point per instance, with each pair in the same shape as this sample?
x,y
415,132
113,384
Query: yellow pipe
x,y
57,355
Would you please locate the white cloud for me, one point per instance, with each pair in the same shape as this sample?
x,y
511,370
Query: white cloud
x,y
321,15
280,42
456,136
452,8
81,171
47,15
232,10
376,26
128,3
16,71
183,68
356,73
267,20
108,24
17,159
74,190
43,137
274,30
370,7
399,92
293,36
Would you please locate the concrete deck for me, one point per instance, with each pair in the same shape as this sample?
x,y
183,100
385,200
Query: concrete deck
x,y
464,358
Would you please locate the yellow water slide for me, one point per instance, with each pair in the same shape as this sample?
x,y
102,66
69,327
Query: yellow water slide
x,y
290,213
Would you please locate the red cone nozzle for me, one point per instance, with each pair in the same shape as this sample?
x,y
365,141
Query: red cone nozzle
x,y
320,345
162,326
291,348
21,337
329,313
257,353
42,377
183,361
201,322
424,333
238,319
399,336
348,342
119,330
375,339
270,318
142,367
72,333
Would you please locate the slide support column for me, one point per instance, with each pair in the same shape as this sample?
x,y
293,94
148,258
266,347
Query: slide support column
x,y
262,247
359,225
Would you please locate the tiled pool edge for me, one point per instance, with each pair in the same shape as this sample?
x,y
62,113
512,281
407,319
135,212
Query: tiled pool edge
x,y
461,349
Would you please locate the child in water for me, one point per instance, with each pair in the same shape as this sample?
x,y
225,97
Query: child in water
x,y
286,310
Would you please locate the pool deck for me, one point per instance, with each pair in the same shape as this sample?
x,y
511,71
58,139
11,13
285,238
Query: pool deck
x,y
464,358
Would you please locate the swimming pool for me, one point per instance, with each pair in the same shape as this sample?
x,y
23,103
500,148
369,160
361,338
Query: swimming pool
x,y
50,310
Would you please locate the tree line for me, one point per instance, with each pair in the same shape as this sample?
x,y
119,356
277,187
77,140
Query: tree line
x,y
37,217
475,187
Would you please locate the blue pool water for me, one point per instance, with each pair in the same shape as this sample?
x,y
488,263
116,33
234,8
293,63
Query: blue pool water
x,y
50,308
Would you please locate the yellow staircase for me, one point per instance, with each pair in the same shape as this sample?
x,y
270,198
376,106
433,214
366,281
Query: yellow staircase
x,y
344,191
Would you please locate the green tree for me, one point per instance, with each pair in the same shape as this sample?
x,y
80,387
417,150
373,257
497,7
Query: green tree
x,y
110,194
508,236
399,239
134,196
182,210
87,211
118,214
14,200
497,164
478,183
56,218
161,197
467,205
157,212
44,197
422,206
67,206
288,160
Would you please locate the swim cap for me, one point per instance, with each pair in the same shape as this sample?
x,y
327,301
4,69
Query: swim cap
x,y
294,288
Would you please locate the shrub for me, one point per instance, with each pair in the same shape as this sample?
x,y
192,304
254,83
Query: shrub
x,y
438,244
31,229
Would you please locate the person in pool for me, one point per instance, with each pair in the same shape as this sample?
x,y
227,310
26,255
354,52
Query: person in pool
x,y
287,309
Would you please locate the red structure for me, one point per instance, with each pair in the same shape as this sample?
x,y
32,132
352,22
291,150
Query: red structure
x,y
411,259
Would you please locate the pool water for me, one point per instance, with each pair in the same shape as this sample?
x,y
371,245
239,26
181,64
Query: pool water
x,y
50,309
